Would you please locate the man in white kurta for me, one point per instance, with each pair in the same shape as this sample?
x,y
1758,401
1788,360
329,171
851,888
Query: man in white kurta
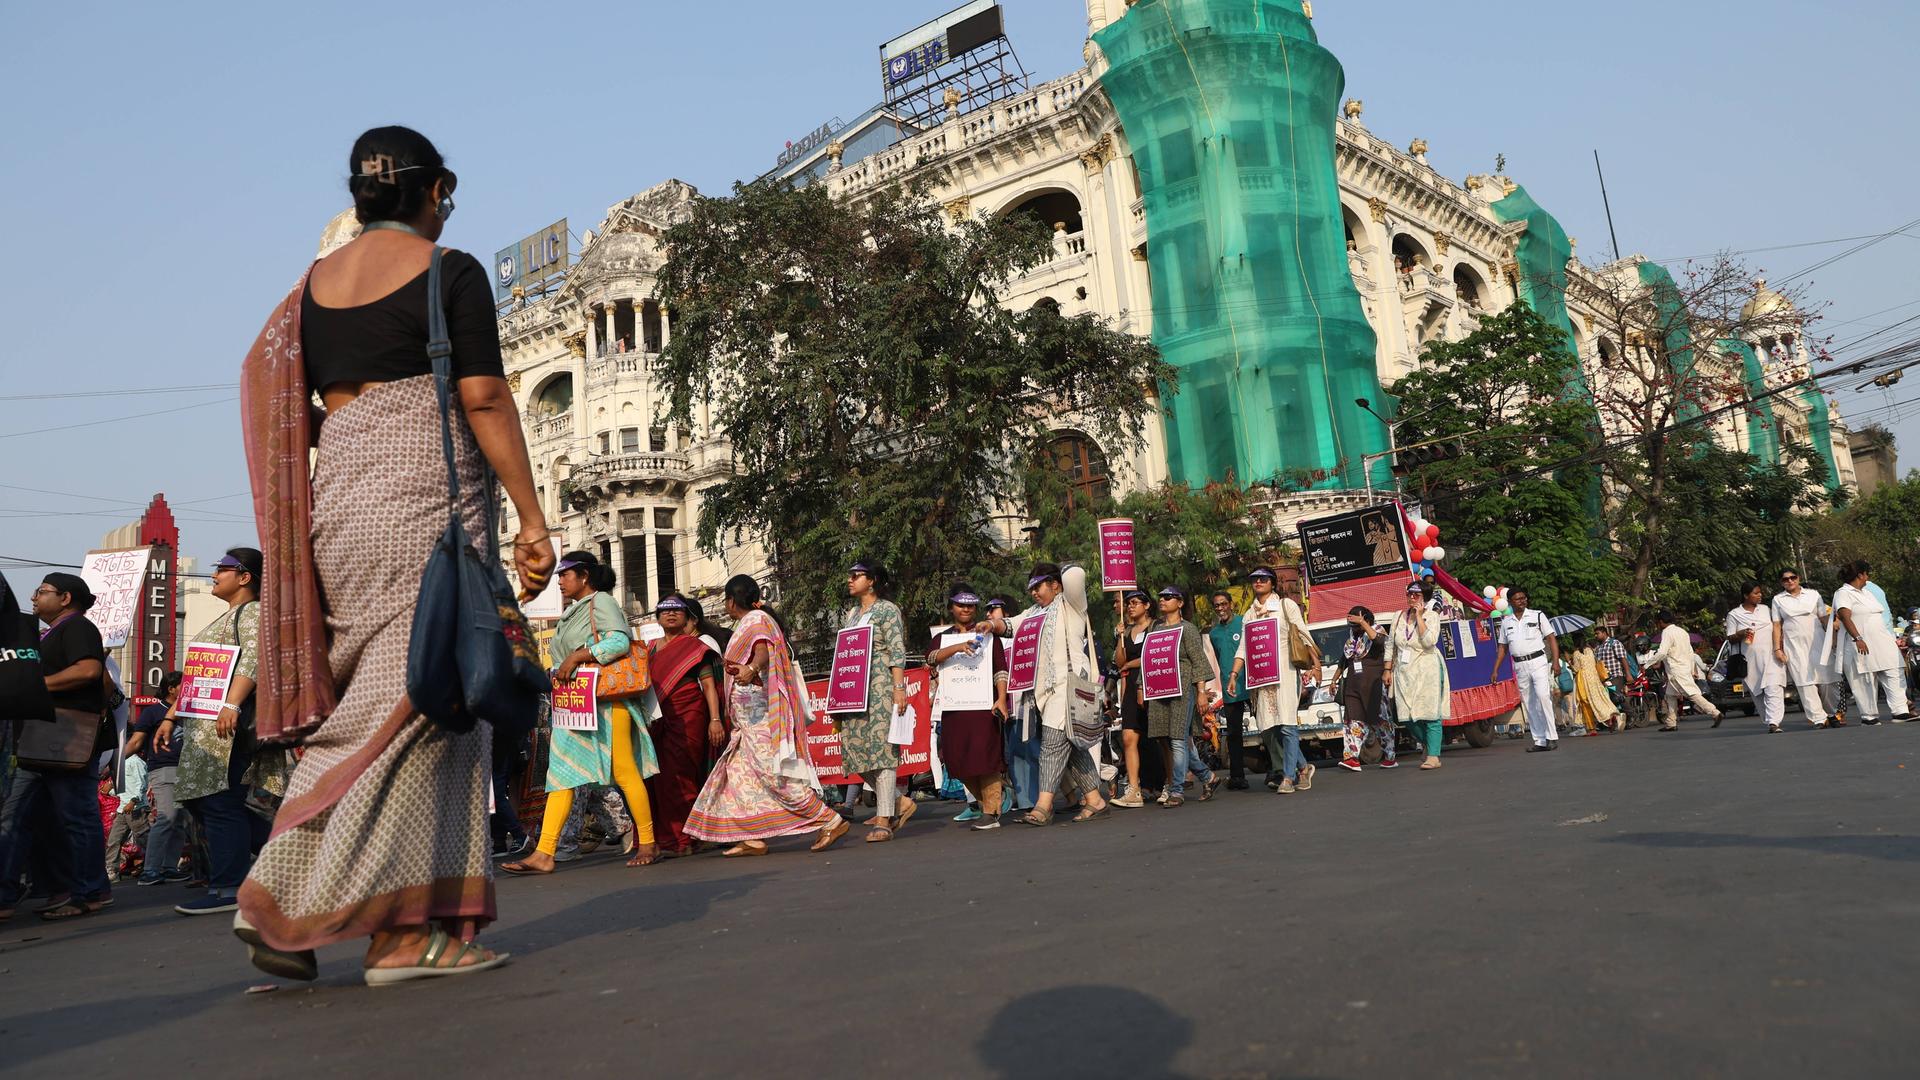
x,y
1682,666
1527,637
1871,656
1798,612
1754,634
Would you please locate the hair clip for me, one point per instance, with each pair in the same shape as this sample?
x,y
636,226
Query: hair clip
x,y
379,166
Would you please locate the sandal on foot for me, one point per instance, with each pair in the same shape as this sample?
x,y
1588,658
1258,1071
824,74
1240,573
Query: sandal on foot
x,y
738,850
831,835
644,857
879,834
521,866
72,909
1106,809
1036,818
900,819
276,962
434,962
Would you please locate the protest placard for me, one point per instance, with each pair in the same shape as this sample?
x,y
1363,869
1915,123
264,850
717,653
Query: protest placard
x,y
852,666
1263,653
966,682
575,707
1160,664
205,673
1117,570
114,579
1023,665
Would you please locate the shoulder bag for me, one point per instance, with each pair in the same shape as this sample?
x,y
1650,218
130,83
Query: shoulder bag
x,y
1300,648
1086,712
626,677
470,656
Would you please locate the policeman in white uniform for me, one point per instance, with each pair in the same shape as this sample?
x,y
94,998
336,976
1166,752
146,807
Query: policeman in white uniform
x,y
1526,636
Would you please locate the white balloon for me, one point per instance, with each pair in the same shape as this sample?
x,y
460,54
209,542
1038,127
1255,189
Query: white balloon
x,y
1489,592
1436,553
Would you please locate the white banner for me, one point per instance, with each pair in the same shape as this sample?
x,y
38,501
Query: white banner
x,y
114,577
966,682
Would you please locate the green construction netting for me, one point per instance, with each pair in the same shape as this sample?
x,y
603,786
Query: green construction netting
x,y
1228,108
1542,255
1666,300
1763,431
1820,430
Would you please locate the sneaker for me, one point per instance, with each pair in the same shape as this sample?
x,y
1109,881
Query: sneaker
x,y
210,904
971,813
1162,797
988,823
567,854
1773,729
1306,778
1541,747
1869,721
1237,784
1286,787
145,880
1390,763
1351,764
1131,799
1901,718
509,848
174,877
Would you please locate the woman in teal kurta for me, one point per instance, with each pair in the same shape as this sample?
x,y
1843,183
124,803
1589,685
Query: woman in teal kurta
x,y
864,749
593,630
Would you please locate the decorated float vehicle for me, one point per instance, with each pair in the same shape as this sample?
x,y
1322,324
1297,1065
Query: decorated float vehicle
x,y
1366,557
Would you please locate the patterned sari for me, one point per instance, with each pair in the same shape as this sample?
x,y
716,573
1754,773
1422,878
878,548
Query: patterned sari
x,y
762,786
385,819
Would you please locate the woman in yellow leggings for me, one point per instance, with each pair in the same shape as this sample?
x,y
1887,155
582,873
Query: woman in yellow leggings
x,y
618,750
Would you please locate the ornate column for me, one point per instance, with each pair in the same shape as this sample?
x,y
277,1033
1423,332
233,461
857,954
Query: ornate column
x,y
662,306
652,555
622,588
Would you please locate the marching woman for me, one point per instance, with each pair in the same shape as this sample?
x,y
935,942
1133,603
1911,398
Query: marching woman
x,y
1417,674
864,749
1022,754
1067,771
1870,655
683,668
1132,635
1170,720
618,751
1274,710
1800,615
970,737
1363,665
1755,633
762,786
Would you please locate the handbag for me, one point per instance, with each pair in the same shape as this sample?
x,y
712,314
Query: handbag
x,y
63,744
623,678
1086,713
1300,648
471,656
1565,679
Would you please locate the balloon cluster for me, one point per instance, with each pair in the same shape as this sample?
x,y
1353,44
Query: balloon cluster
x,y
1498,598
1426,545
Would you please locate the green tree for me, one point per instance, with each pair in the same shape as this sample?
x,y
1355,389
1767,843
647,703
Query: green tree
x,y
1494,404
1884,529
876,395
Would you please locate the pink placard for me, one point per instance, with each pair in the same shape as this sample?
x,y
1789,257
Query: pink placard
x,y
852,664
1160,664
1263,652
1116,554
1023,665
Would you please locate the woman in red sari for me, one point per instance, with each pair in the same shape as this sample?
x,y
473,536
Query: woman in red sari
x,y
682,665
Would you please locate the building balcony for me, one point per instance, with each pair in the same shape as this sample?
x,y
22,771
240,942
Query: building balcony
x,y
557,426
652,470
614,368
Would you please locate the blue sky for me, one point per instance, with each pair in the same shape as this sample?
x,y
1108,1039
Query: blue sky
x,y
168,168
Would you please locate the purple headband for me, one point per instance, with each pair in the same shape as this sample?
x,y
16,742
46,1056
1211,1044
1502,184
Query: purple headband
x,y
672,603
1034,581
964,599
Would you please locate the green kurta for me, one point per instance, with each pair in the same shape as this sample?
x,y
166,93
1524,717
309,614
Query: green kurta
x,y
1167,718
204,755
863,736
578,758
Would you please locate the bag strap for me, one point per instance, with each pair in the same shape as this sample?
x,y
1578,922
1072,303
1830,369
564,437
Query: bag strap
x,y
440,355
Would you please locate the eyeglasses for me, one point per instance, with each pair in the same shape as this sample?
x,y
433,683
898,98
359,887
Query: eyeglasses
x,y
857,574
46,590
1789,577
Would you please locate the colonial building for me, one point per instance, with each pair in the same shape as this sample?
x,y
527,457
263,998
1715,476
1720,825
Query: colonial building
x,y
1207,185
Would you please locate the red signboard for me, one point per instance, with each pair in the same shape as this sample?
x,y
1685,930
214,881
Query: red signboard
x,y
1160,664
846,688
1117,569
823,742
1023,664
1263,652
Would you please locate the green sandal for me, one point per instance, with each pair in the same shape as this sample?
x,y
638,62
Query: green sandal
x,y
433,963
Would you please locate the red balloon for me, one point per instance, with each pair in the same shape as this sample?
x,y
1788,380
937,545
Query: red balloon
x,y
1433,535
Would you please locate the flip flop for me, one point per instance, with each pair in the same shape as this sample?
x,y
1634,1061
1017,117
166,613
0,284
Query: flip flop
x,y
742,850
276,962
430,966
522,868
72,909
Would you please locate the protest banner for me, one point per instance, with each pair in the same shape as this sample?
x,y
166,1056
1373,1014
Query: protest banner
x,y
205,674
548,604
1160,664
823,741
1117,570
1263,653
574,704
966,682
114,579
1023,665
852,666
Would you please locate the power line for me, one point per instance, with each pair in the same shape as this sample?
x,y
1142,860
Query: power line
x,y
121,393
1775,247
1829,261
116,419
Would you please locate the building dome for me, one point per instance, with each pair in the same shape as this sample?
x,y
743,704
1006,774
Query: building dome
x,y
1767,303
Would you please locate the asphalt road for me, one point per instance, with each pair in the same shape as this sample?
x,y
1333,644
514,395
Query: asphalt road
x,y
1704,903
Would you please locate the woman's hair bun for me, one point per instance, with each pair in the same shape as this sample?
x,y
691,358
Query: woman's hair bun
x,y
391,173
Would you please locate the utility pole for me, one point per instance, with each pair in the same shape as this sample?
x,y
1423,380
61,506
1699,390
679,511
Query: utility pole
x,y
1606,205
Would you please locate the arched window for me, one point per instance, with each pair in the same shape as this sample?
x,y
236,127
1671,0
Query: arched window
x,y
1468,287
554,397
1408,254
1053,208
1079,459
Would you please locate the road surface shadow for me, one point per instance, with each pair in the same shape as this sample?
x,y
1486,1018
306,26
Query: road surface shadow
x,y
30,1035
1085,1031
643,907
1892,848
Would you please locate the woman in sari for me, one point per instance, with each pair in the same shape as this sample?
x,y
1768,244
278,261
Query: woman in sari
x,y
762,786
383,832
1417,674
618,751
689,723
1592,704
